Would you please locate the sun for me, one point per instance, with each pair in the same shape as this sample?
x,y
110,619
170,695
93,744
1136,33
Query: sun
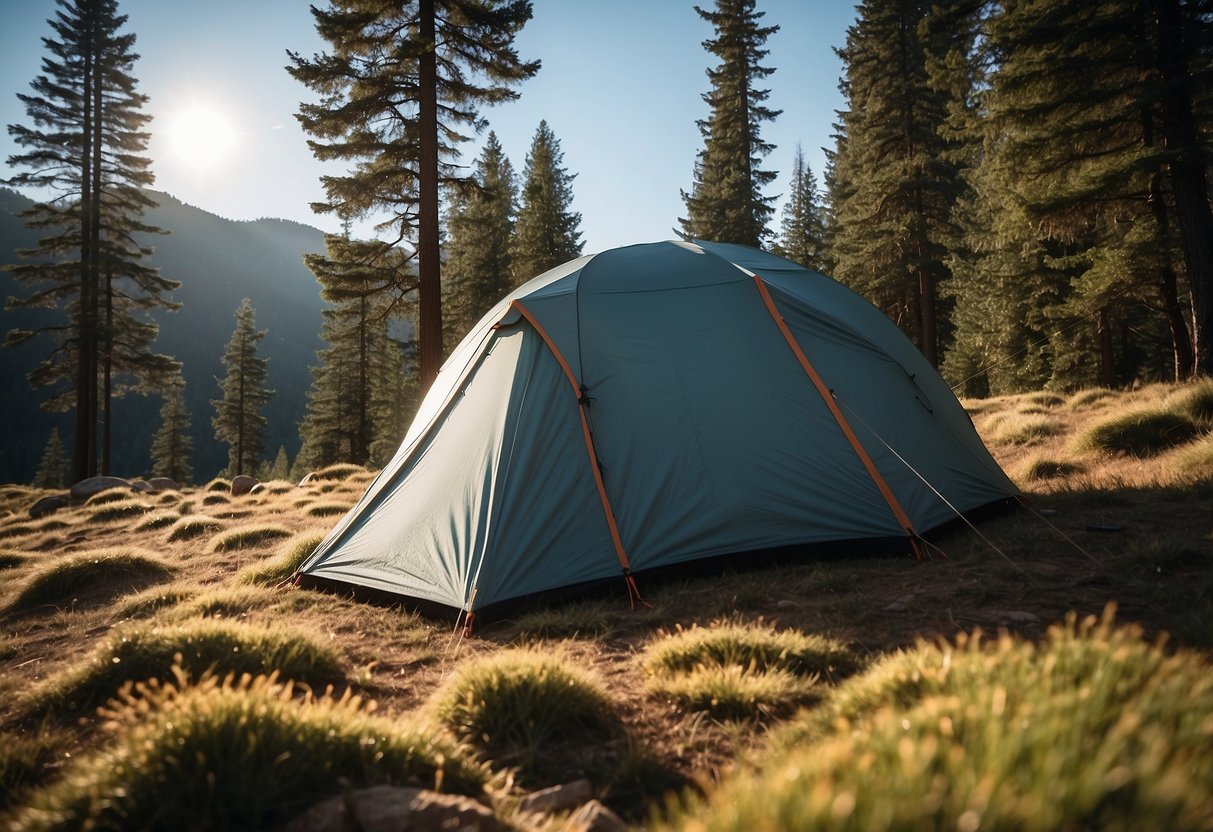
x,y
200,137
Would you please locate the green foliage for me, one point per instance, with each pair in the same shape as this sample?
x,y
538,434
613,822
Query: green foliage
x,y
172,444
250,754
53,469
248,537
802,232
726,203
97,570
1138,433
520,704
1095,728
290,557
143,651
546,232
238,420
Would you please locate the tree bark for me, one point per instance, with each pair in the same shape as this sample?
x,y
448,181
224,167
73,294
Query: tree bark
x,y
429,325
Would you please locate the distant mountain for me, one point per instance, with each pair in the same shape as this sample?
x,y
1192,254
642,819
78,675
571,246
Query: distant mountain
x,y
218,262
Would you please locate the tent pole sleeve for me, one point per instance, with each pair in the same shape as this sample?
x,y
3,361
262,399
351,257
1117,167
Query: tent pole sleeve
x,y
828,398
620,552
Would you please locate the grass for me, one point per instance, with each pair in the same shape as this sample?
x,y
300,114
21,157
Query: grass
x,y
1025,429
1139,433
120,510
738,670
328,509
26,761
290,557
249,754
521,705
157,521
193,525
10,559
340,471
145,651
1047,468
248,537
1094,728
110,571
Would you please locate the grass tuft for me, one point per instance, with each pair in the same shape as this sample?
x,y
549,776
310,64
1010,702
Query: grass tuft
x,y
1093,729
1044,468
521,705
1025,429
1090,396
248,754
1196,458
328,509
115,569
141,651
339,471
120,510
27,760
290,557
736,670
193,525
218,484
109,495
248,537
11,558
1195,401
1138,433
157,521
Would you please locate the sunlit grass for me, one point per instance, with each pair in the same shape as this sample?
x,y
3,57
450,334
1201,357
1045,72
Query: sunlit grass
x,y
248,537
116,569
291,555
1143,432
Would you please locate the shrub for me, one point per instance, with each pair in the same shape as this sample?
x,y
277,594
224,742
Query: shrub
x,y
250,754
290,557
521,702
115,570
193,525
141,651
1092,729
1138,433
248,537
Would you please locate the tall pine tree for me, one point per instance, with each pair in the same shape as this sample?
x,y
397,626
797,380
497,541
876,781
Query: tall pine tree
x,y
52,470
238,421
726,203
86,147
892,223
547,232
172,444
400,84
802,227
480,227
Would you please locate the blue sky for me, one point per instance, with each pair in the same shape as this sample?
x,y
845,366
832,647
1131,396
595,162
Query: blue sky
x,y
620,86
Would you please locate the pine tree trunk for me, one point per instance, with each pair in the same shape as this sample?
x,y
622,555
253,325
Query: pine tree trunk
x,y
94,219
80,451
1107,354
1188,180
107,400
429,336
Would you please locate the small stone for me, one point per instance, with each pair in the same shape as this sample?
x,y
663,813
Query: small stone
x,y
594,817
1020,615
47,505
95,485
242,484
397,809
557,798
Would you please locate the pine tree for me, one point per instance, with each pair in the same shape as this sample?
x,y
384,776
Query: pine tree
x,y
726,203
892,224
400,84
802,227
238,419
52,470
547,232
87,146
281,467
480,227
172,444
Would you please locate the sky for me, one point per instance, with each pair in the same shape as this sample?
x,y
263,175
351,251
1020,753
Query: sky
x,y
620,86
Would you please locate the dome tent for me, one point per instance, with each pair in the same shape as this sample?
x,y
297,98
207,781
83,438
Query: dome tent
x,y
652,406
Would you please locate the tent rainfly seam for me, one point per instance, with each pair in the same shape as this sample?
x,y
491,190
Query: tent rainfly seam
x,y
620,552
843,424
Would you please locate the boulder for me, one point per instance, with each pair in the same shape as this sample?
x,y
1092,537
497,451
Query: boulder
x,y
242,484
141,486
560,798
47,505
594,817
95,485
164,484
397,809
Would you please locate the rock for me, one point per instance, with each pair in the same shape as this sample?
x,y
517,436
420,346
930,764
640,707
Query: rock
x,y
163,484
141,486
397,809
786,604
308,478
95,485
258,488
557,798
47,505
242,484
594,817
1020,615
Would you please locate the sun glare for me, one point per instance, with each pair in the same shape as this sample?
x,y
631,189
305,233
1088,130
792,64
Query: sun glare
x,y
200,137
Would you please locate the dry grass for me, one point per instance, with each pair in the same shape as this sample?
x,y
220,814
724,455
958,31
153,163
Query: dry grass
x,y
1100,527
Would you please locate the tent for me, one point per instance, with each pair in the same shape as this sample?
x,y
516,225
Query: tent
x,y
650,407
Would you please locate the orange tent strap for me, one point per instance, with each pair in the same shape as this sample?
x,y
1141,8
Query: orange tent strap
x,y
828,398
585,430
